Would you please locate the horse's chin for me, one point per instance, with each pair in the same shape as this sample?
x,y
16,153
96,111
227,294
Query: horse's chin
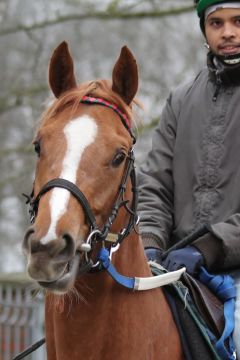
x,y
66,280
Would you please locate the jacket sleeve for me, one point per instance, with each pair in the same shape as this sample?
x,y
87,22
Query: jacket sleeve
x,y
228,234
221,246
155,181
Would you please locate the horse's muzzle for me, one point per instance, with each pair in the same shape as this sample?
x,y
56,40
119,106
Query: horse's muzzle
x,y
66,281
53,265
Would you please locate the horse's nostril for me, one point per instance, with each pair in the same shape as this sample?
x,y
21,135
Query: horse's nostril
x,y
26,244
69,249
60,250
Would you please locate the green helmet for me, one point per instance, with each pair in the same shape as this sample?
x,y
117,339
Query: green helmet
x,y
202,5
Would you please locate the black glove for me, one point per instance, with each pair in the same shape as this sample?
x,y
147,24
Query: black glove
x,y
153,254
188,257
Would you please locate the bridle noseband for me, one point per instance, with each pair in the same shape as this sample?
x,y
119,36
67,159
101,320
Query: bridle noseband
x,y
96,233
73,189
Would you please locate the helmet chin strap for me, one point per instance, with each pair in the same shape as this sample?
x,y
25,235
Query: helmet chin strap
x,y
225,59
229,59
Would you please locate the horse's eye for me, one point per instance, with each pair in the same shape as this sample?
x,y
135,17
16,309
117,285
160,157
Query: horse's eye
x,y
37,147
118,159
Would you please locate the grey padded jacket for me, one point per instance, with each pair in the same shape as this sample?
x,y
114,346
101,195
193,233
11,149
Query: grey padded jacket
x,y
192,174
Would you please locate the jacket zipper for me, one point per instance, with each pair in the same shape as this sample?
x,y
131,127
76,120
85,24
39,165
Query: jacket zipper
x,y
219,83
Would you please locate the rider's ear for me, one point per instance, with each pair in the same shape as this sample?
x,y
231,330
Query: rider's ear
x,y
125,76
61,72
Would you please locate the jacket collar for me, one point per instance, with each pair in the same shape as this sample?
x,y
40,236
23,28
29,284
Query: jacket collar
x,y
228,75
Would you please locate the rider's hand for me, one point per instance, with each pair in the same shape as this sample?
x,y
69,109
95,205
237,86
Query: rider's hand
x,y
188,257
153,254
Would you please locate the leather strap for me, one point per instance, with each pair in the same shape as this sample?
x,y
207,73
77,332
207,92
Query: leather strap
x,y
74,190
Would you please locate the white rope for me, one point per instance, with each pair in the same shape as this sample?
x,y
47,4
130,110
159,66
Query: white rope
x,y
159,280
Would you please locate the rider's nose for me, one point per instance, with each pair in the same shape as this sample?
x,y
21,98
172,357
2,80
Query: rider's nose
x,y
228,31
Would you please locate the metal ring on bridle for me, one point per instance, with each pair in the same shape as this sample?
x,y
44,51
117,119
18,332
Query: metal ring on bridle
x,y
87,246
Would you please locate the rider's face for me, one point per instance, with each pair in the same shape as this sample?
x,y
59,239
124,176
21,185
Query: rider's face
x,y
222,29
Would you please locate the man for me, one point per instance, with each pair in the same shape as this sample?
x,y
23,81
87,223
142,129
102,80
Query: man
x,y
192,175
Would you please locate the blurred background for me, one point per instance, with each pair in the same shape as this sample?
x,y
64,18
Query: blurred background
x,y
163,35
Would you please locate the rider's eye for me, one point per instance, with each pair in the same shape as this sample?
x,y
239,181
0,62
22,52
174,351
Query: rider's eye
x,y
37,147
118,159
215,23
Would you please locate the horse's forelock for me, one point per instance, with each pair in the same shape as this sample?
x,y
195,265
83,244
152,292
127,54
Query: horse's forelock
x,y
99,89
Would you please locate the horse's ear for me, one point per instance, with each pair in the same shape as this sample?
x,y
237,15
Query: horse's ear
x,y
125,76
61,70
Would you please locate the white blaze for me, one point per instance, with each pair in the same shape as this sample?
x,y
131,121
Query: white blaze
x,y
79,133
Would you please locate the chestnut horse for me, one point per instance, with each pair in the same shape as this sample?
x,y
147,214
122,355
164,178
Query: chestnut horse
x,y
83,190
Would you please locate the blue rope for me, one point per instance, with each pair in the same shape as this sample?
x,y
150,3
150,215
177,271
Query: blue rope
x,y
224,288
104,259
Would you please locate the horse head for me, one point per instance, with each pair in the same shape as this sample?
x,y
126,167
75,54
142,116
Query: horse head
x,y
83,153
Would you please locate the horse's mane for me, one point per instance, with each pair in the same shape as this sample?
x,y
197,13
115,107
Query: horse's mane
x,y
100,89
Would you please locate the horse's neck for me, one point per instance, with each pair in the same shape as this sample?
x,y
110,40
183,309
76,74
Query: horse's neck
x,y
100,318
